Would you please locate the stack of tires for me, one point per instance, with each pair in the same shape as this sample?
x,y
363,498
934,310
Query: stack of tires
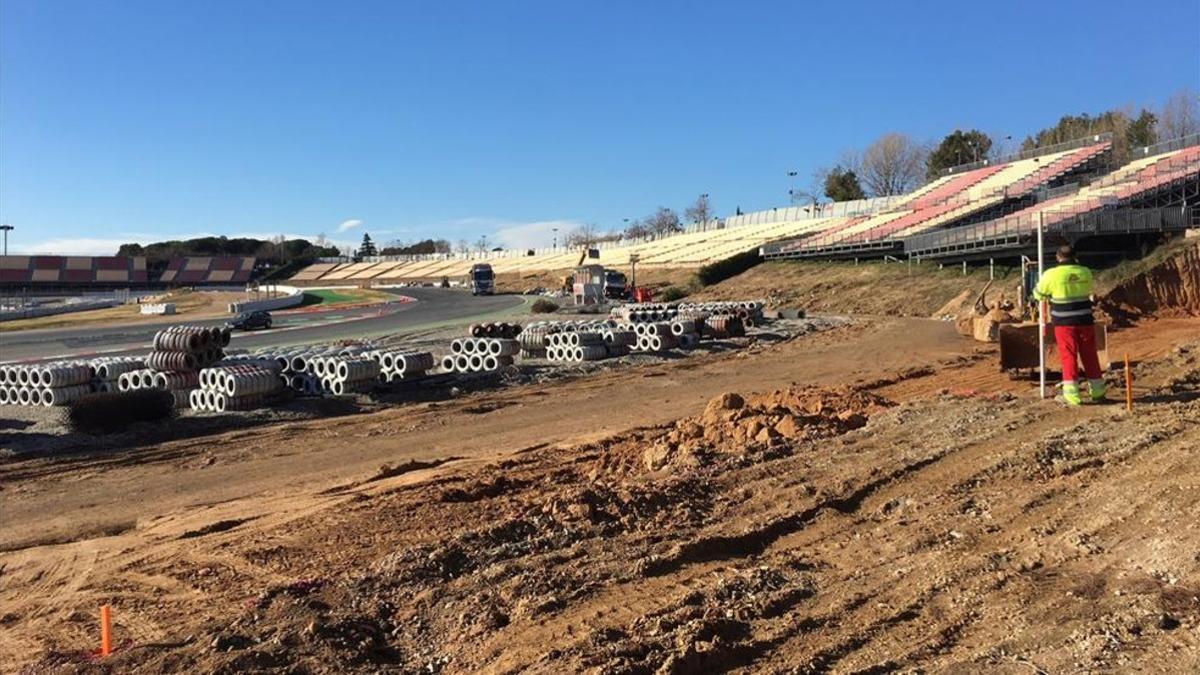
x,y
506,331
477,355
50,384
236,386
397,365
344,375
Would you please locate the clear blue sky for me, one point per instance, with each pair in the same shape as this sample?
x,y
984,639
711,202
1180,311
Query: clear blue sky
x,y
141,120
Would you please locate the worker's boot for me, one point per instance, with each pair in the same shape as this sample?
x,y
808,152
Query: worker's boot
x,y
1071,393
1098,389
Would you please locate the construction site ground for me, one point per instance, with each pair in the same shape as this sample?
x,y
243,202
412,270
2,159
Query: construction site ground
x,y
898,505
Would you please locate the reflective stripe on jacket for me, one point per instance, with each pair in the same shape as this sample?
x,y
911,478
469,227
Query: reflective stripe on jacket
x,y
1069,289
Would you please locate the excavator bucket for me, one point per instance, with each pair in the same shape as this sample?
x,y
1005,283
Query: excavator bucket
x,y
1019,346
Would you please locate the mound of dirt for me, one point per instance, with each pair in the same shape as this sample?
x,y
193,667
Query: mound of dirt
x,y
1171,288
731,424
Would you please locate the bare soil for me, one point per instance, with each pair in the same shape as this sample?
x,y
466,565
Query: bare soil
x,y
872,498
1171,288
838,502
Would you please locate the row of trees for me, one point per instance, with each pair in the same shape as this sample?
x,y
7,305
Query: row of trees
x,y
896,163
276,251
663,221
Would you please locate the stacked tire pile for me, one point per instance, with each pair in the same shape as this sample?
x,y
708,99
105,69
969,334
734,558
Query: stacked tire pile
x,y
344,375
749,312
179,383
107,371
242,384
644,311
479,355
317,370
505,331
187,348
294,364
571,341
660,336
177,356
52,384
397,365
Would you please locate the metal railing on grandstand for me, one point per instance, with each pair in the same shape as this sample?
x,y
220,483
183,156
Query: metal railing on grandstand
x,y
1030,153
1171,145
999,235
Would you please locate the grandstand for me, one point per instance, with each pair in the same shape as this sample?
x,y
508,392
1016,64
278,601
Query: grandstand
x,y
51,271
1147,195
949,200
208,270
64,271
985,206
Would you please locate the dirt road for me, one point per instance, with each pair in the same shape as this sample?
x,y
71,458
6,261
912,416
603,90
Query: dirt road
x,y
618,524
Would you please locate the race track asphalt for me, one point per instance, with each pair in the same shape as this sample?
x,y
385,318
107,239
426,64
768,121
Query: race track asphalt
x,y
428,308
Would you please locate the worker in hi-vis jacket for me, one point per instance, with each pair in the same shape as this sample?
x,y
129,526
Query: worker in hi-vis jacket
x,y
1068,287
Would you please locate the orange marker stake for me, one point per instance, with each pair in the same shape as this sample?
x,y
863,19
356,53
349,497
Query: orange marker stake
x,y
105,630
1128,385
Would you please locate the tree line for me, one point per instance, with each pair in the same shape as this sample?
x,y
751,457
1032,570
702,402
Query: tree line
x,y
276,251
896,163
661,222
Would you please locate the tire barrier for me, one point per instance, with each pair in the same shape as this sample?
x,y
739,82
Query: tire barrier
x,y
236,386
396,365
507,331
188,348
477,355
50,384
750,312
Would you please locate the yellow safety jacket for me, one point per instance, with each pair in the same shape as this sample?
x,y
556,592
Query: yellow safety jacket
x,y
1068,287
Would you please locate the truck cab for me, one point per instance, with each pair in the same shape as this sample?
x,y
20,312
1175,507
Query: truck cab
x,y
482,279
615,285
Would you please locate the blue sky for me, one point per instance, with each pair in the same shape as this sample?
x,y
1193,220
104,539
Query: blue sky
x,y
136,121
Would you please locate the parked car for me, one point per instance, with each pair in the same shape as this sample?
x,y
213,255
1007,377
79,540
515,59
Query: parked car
x,y
251,320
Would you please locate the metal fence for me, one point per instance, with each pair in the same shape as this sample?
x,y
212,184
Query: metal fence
x,y
1001,234
1029,154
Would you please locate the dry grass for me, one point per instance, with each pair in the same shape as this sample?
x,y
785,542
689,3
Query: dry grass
x,y
188,305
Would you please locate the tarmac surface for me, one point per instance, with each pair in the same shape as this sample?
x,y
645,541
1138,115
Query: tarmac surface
x,y
413,309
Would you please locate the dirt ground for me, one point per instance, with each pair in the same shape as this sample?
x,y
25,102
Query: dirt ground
x,y
871,515
870,498
652,277
868,288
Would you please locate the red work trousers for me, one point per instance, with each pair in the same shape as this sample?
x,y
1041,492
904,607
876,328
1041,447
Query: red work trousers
x,y
1078,343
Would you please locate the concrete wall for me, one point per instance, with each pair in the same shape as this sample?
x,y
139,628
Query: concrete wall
x,y
294,298
32,312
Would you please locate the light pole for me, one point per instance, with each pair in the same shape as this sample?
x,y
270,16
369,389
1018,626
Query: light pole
x,y
555,238
7,229
791,185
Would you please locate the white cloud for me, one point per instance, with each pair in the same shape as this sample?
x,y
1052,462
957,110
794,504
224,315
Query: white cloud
x,y
348,225
536,234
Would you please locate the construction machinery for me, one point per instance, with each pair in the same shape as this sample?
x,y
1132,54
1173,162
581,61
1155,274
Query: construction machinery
x,y
1019,346
984,320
